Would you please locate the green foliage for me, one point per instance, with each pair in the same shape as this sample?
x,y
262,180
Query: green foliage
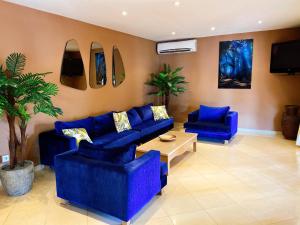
x,y
28,90
167,82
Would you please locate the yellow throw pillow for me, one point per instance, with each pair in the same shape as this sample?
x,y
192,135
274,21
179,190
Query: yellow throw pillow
x,y
159,112
121,121
78,133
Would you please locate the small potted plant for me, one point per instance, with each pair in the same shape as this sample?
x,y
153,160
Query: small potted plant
x,y
166,83
21,96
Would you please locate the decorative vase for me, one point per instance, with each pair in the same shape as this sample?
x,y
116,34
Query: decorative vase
x,y
290,122
19,180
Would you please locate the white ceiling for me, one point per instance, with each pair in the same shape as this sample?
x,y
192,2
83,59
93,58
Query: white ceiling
x,y
157,19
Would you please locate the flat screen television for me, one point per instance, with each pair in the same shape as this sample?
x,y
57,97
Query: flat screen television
x,y
285,57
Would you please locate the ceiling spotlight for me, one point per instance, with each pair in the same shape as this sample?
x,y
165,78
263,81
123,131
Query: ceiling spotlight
x,y
177,3
124,13
173,33
259,22
212,28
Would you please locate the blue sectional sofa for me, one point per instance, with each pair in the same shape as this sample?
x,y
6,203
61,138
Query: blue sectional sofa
x,y
102,131
118,189
217,124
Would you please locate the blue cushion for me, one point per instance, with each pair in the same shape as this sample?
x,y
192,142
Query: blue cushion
x,y
151,126
122,138
120,155
145,112
103,124
208,126
163,169
212,114
134,117
86,123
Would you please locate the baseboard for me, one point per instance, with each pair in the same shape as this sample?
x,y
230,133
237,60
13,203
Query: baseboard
x,y
270,133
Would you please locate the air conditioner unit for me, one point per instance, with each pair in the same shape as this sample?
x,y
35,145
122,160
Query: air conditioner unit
x,y
178,46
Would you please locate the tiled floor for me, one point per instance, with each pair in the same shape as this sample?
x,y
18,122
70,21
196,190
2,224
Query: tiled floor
x,y
253,180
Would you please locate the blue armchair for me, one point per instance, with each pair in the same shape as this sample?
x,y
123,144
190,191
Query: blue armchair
x,y
216,124
120,190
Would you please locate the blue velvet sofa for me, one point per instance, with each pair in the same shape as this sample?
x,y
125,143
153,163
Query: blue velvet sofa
x,y
118,189
217,124
102,131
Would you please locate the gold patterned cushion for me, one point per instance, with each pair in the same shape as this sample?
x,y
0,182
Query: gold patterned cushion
x,y
78,133
159,112
121,121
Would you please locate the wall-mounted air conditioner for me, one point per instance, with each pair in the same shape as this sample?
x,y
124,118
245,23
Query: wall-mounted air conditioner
x,y
178,46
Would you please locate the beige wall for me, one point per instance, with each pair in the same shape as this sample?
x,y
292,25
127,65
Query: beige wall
x,y
260,107
42,38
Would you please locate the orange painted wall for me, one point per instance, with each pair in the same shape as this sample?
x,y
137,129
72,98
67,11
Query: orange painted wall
x,y
42,38
260,107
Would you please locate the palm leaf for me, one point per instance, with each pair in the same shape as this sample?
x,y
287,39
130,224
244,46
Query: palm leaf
x,y
15,64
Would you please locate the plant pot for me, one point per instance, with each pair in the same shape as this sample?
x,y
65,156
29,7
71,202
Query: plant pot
x,y
290,122
19,180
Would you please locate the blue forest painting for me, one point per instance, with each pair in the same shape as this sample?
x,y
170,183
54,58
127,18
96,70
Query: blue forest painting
x,y
100,68
235,64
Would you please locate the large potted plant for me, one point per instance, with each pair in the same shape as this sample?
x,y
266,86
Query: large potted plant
x,y
167,82
21,96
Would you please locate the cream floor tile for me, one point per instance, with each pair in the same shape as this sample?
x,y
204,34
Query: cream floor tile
x,y
213,199
231,215
196,183
288,222
157,221
194,218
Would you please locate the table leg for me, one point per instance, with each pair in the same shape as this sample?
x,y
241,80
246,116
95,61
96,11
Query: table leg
x,y
194,146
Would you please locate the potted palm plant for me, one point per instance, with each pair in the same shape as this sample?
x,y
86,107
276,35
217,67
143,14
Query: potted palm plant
x,y
21,96
167,82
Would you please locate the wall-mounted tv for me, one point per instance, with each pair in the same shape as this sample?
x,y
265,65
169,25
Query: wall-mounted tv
x,y
285,57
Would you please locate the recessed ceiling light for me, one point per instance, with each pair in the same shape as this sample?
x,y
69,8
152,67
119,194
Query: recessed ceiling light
x,y
212,28
177,3
259,22
124,13
173,33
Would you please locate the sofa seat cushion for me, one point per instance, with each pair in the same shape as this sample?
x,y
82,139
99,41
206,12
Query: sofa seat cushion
x,y
120,155
151,126
125,137
207,126
163,169
212,114
210,135
86,123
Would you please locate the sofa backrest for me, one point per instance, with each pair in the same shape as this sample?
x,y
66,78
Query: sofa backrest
x,y
145,112
103,124
86,123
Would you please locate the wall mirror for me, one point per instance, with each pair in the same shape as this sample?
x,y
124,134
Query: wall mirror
x,y
97,66
72,69
118,71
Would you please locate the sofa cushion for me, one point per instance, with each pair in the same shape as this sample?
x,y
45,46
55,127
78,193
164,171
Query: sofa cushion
x,y
134,117
159,112
212,114
116,138
120,155
151,126
103,124
121,121
86,123
208,126
79,134
145,112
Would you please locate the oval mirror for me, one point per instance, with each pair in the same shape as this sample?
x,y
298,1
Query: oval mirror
x,y
118,71
72,70
97,66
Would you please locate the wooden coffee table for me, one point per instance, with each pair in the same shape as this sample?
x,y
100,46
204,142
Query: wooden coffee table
x,y
169,150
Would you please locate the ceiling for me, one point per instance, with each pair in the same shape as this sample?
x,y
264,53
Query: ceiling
x,y
157,19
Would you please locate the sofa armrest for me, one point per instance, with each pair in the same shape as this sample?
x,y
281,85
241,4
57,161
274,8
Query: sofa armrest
x,y
119,190
193,116
231,120
52,144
